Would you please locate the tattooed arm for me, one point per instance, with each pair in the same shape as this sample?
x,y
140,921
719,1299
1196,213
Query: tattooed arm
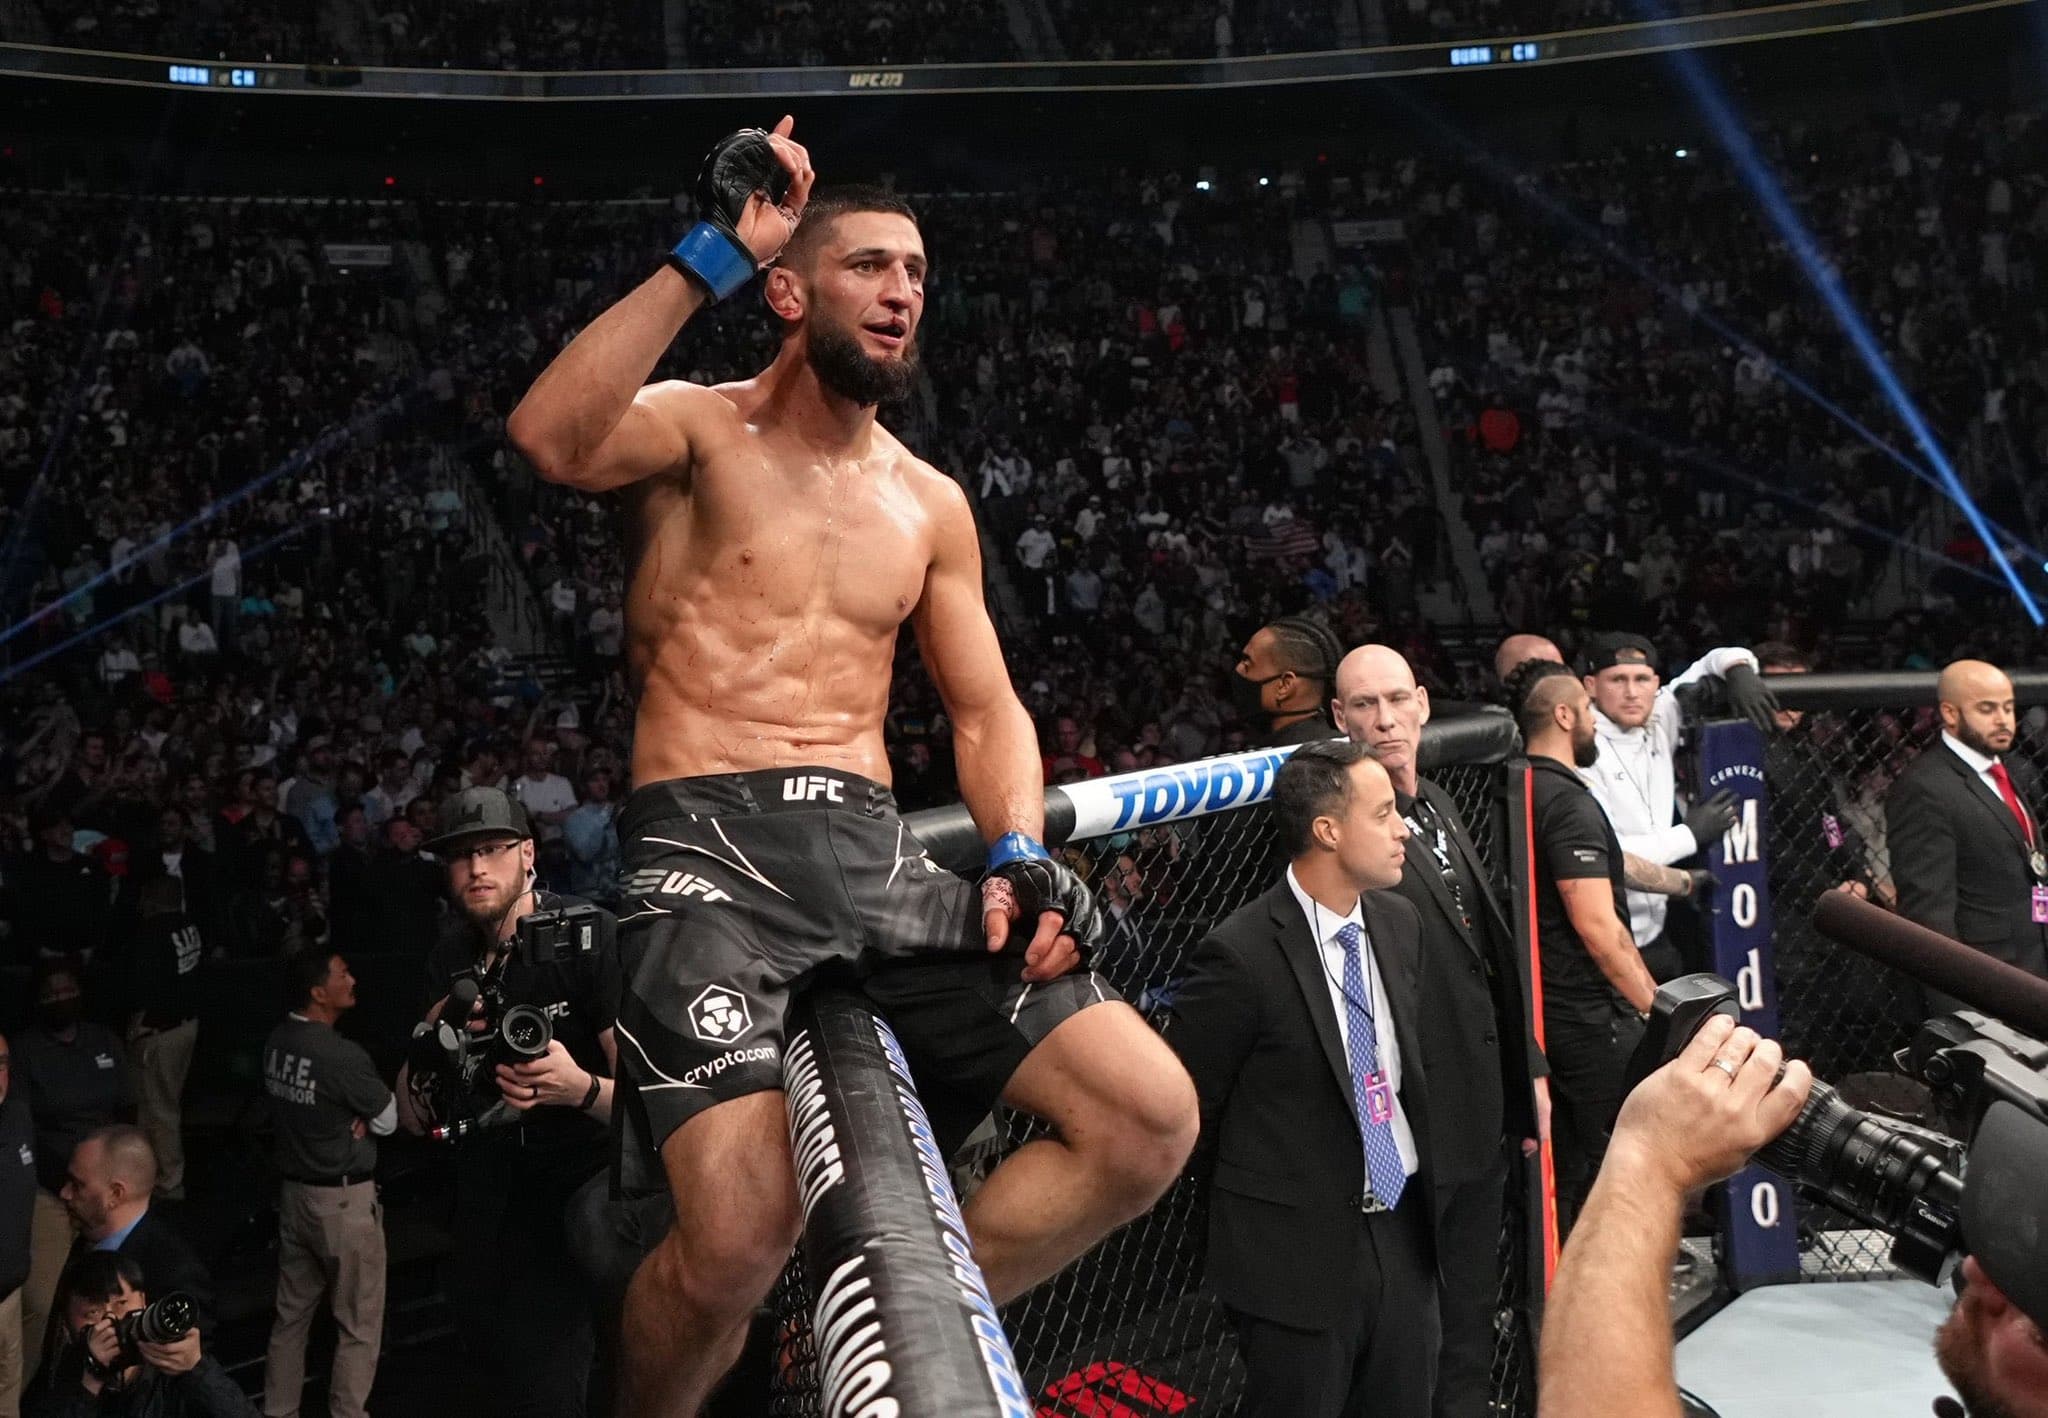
x,y
1641,874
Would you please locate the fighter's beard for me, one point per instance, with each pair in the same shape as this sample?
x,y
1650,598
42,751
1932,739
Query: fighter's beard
x,y
851,373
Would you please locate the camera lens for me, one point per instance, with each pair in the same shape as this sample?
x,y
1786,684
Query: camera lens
x,y
163,1321
1878,1174
526,1031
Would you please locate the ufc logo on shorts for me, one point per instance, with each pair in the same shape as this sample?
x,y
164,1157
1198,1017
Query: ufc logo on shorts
x,y
656,882
809,790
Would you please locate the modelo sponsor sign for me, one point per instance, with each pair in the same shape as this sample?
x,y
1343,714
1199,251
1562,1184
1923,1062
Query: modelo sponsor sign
x,y
1763,1230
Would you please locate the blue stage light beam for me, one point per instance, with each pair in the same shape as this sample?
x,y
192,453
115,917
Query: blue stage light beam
x,y
1820,274
1512,181
1777,492
318,448
71,642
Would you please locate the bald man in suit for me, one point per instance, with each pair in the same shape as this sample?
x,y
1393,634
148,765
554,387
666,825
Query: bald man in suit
x,y
1964,831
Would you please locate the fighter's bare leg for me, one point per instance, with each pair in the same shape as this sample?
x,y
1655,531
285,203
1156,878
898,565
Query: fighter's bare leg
x,y
737,1219
1125,1119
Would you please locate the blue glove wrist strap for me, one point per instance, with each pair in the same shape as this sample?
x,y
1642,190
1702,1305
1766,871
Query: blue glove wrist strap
x,y
1016,847
714,258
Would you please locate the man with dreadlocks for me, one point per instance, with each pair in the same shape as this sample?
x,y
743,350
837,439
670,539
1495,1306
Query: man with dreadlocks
x,y
1281,687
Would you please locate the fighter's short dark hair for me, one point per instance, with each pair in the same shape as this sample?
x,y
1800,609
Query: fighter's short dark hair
x,y
1530,715
826,206
1308,647
1313,783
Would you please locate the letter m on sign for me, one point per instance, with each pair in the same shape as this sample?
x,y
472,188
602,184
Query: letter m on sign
x,y
1743,839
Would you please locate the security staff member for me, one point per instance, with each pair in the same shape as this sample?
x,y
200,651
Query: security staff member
x,y
1596,989
519,1308
1488,1082
1281,685
1637,723
1298,1023
1963,823
326,1102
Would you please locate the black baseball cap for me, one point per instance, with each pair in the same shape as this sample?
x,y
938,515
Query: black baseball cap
x,y
476,813
1616,647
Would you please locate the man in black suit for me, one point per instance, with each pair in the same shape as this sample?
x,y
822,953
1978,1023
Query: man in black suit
x,y
1966,846
1489,1085
1298,1022
107,1191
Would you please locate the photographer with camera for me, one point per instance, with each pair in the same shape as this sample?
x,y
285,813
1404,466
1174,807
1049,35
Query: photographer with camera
x,y
125,1357
522,1085
1725,1095
1607,1327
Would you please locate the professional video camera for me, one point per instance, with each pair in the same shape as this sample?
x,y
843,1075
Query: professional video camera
x,y
454,1060
162,1321
1940,1197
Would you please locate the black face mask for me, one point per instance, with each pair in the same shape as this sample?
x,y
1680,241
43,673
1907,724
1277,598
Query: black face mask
x,y
57,1014
1246,694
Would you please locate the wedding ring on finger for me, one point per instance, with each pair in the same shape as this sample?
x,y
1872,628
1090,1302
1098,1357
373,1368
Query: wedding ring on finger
x,y
1725,1067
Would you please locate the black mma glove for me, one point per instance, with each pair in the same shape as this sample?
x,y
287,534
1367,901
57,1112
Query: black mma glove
x,y
1024,880
714,254
1711,818
1751,698
1700,884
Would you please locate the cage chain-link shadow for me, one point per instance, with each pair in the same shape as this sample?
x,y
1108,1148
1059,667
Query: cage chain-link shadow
x,y
1131,1323
1846,1015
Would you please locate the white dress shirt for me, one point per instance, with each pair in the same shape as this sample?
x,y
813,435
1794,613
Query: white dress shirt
x,y
1632,780
1323,926
1981,765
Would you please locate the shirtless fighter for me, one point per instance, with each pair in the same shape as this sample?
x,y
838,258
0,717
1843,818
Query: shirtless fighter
x,y
779,537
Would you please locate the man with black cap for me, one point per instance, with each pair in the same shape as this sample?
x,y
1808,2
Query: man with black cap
x,y
1636,723
525,1331
1282,682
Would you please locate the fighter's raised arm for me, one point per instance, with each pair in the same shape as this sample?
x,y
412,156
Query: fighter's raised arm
x,y
588,421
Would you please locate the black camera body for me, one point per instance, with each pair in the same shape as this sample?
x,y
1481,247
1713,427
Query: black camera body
x,y
1977,1192
162,1321
565,933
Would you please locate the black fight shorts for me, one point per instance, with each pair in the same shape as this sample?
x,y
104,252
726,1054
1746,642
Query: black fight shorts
x,y
740,889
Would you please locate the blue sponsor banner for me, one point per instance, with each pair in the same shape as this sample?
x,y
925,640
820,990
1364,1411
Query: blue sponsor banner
x,y
1129,801
1762,1241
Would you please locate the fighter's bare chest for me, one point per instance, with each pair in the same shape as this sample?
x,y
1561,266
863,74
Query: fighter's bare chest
x,y
842,538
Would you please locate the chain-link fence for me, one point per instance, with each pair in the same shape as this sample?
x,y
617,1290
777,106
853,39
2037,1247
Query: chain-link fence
x,y
1131,1323
1828,775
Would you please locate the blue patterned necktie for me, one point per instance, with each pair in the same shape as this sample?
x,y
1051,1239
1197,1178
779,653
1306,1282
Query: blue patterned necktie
x,y
1382,1154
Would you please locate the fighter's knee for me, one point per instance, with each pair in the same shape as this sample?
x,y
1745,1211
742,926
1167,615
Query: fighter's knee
x,y
1147,1131
721,1270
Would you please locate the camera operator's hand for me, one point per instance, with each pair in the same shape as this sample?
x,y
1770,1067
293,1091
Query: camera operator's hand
x,y
103,1344
554,1078
1698,1118
180,1356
